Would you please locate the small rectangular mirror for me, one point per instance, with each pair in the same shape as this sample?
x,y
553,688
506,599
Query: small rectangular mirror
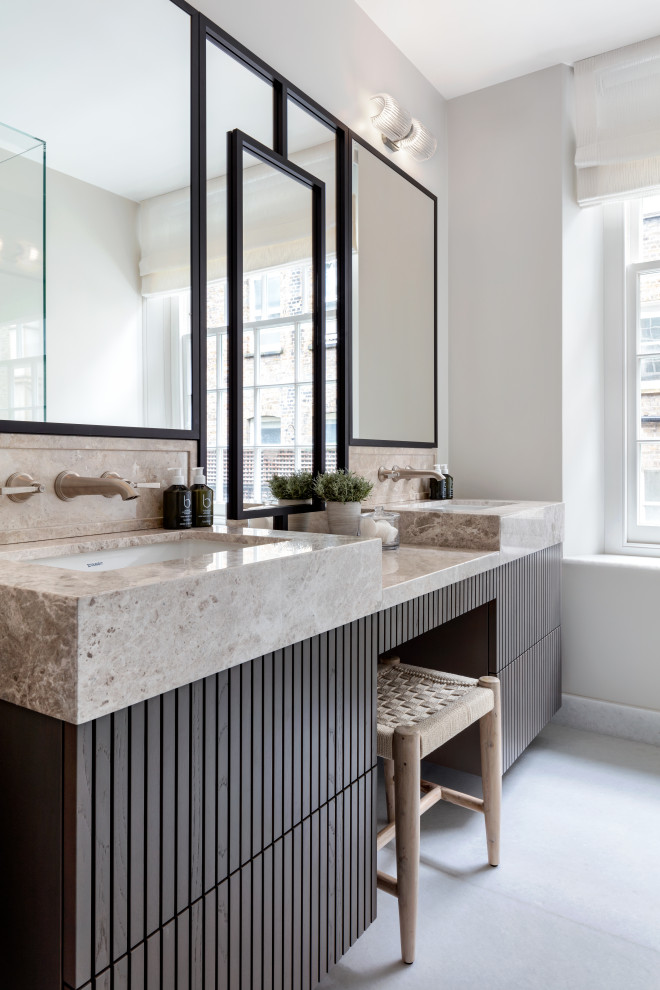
x,y
276,336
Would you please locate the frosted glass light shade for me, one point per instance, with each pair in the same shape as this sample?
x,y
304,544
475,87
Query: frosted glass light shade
x,y
419,143
389,117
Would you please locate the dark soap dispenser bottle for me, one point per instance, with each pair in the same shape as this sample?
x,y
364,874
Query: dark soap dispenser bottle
x,y
449,481
438,489
177,502
202,499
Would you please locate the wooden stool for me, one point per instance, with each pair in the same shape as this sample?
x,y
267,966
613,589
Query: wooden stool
x,y
419,710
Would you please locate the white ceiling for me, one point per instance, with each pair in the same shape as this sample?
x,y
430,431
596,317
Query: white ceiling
x,y
465,45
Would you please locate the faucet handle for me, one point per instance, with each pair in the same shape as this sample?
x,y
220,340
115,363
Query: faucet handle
x,y
133,484
20,487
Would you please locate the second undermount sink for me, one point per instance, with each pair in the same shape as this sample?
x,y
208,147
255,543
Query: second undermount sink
x,y
93,561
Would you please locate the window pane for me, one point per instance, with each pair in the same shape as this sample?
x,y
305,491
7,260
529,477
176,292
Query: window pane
x,y
211,361
649,397
649,484
277,364
248,357
648,331
331,350
278,404
305,414
306,353
272,462
650,232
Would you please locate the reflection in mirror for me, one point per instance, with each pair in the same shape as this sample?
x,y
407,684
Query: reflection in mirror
x,y
312,145
278,402
393,328
22,171
250,109
114,114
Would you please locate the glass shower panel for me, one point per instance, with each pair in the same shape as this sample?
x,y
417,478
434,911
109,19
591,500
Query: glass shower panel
x,y
22,285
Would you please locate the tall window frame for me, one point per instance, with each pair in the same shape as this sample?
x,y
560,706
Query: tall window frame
x,y
632,368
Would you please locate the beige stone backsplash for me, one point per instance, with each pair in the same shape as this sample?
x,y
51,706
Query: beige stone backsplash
x,y
367,460
45,516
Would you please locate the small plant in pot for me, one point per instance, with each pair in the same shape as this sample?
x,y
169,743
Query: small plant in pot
x,y
342,491
294,489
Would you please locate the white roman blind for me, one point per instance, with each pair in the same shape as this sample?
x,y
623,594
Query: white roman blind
x,y
277,230
618,123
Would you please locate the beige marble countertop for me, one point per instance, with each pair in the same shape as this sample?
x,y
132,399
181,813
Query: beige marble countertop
x,y
413,570
77,645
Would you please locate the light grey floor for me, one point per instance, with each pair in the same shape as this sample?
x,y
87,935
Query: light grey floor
x,y
575,903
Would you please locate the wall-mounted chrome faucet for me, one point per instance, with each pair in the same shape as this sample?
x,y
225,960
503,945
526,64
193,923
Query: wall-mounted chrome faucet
x,y
396,473
68,485
19,487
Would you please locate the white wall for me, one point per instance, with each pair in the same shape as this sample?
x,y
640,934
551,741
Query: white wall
x,y
609,627
337,55
526,337
505,275
93,305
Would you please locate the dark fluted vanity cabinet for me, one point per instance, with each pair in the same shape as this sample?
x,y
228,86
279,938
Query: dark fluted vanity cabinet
x,y
222,835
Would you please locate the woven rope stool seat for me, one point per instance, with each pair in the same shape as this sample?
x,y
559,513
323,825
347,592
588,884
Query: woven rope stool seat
x,y
439,705
420,710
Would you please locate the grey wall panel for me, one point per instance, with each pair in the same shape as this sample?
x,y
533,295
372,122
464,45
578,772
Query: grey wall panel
x,y
531,689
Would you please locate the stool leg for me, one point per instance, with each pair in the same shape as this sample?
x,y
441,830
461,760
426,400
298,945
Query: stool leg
x,y
389,788
406,746
490,732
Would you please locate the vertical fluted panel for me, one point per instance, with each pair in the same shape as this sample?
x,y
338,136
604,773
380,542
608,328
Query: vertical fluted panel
x,y
223,832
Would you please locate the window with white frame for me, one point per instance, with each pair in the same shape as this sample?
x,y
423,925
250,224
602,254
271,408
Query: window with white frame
x,y
642,377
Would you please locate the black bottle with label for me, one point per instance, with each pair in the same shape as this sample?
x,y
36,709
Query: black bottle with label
x,y
202,499
438,489
177,503
449,482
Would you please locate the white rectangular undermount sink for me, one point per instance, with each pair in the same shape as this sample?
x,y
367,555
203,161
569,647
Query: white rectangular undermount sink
x,y
151,553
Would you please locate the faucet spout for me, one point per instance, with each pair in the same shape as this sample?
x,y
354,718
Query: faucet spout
x,y
68,485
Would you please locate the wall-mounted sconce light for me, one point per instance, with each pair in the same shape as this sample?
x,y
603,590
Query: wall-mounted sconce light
x,y
399,129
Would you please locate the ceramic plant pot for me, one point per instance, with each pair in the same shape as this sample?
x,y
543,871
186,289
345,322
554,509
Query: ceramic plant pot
x,y
343,518
299,522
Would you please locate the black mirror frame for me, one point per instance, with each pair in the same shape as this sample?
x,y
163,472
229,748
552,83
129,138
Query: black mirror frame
x,y
352,440
237,143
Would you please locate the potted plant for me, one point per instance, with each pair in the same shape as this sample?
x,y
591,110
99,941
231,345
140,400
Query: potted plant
x,y
342,491
294,489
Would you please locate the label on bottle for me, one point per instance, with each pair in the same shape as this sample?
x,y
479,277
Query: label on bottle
x,y
203,506
177,510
